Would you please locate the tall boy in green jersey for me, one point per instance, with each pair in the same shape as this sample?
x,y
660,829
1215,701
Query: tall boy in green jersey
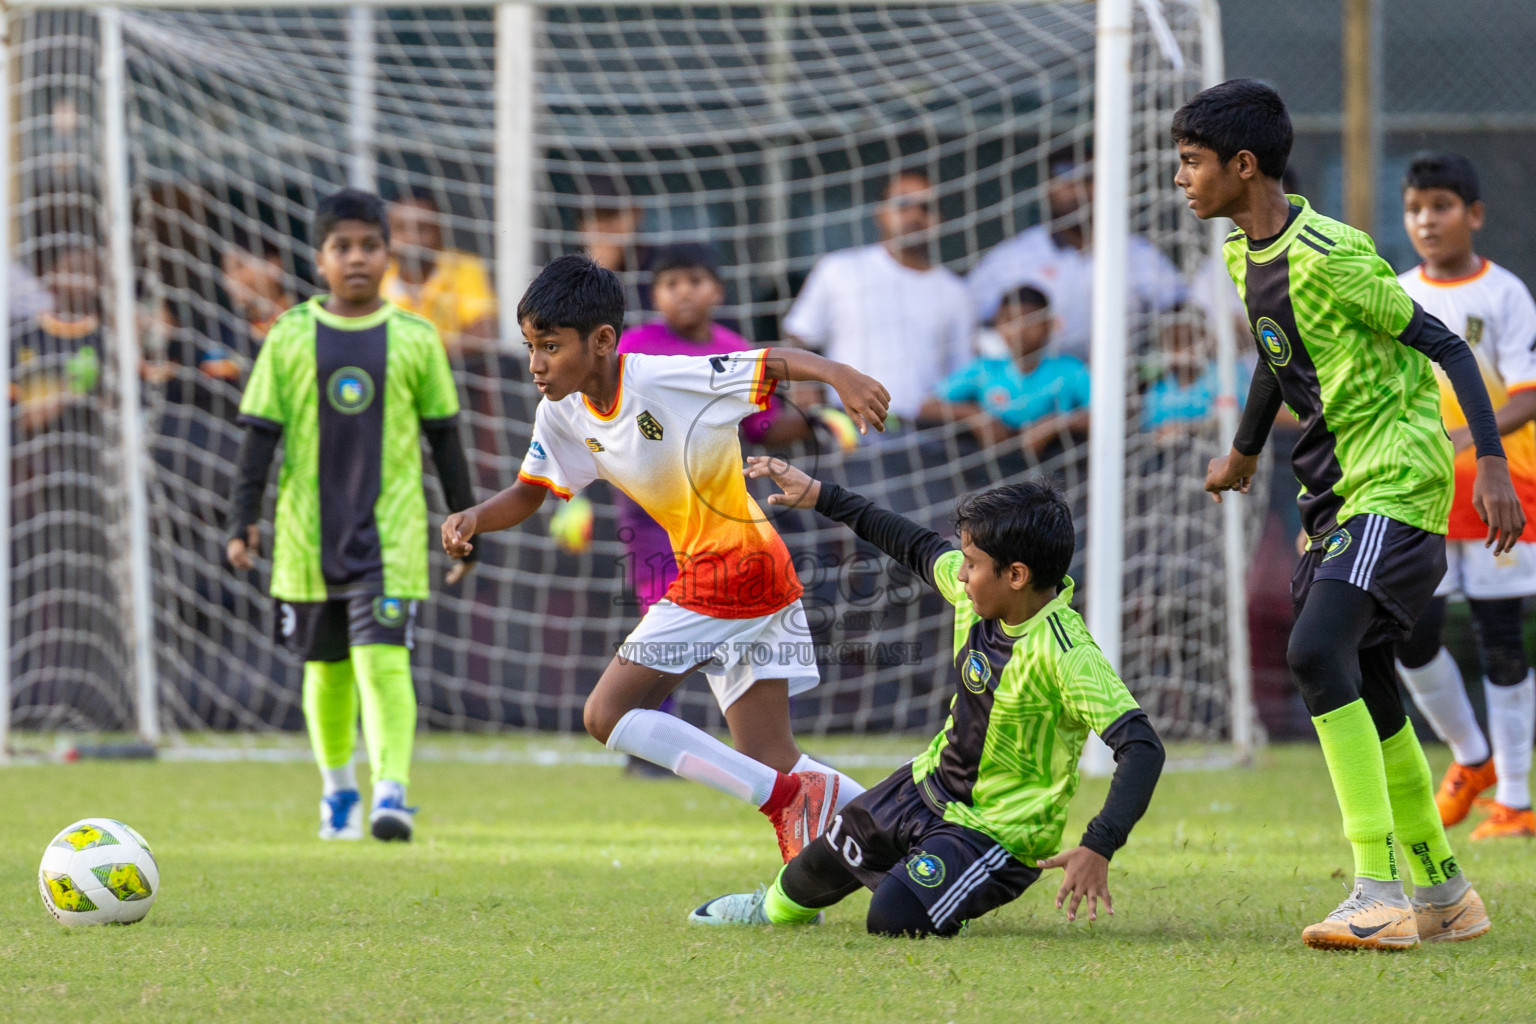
x,y
975,818
349,383
1347,349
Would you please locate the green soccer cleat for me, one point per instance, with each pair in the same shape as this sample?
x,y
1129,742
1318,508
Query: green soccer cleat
x,y
737,908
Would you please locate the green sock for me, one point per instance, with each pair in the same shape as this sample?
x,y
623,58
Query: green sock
x,y
330,711
389,709
1353,752
783,910
1414,814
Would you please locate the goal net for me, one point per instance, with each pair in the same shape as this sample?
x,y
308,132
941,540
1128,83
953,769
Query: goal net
x,y
765,131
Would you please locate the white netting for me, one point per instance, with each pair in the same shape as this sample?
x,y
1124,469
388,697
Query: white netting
x,y
765,131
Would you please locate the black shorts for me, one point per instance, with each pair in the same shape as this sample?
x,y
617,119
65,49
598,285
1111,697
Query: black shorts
x,y
328,630
1397,564
957,873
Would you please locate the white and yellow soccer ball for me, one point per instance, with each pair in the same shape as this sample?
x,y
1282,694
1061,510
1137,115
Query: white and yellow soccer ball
x,y
98,871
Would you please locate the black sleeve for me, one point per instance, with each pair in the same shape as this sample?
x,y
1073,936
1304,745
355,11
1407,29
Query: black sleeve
x,y
251,466
1138,764
1455,357
914,546
1259,414
452,466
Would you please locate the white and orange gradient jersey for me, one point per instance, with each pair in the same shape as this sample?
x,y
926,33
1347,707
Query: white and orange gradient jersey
x,y
1492,309
670,443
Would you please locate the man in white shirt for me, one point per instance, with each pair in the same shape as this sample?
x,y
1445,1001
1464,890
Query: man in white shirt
x,y
1056,257
887,310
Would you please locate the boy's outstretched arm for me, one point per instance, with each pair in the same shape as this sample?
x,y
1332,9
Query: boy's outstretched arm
x,y
1234,471
252,464
914,546
864,398
1139,760
1493,494
501,511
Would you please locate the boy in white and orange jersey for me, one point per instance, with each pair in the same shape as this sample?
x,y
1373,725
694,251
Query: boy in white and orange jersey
x,y
1493,310
663,429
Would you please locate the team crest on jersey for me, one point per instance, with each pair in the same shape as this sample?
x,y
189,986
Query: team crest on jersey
x,y
976,672
595,445
1474,330
388,611
649,428
1274,342
536,450
350,390
1336,544
926,870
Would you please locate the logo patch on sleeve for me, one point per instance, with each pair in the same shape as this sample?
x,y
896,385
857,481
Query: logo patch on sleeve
x,y
1273,340
650,429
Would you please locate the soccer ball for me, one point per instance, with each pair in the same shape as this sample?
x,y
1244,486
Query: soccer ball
x,y
98,871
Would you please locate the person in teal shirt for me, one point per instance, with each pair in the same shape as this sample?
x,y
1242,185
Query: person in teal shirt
x,y
1036,395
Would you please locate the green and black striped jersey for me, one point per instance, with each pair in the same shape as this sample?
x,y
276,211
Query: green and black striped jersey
x,y
1331,320
1025,698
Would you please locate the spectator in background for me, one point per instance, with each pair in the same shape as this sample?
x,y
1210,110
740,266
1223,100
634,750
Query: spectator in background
x,y
1035,395
887,309
251,272
609,226
1183,393
27,295
448,287
56,356
1056,257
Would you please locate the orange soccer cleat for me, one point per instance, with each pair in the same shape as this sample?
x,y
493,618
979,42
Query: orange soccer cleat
x,y
1460,787
1506,822
1363,922
1456,921
807,815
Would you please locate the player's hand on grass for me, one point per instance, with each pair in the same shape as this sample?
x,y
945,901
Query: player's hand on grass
x,y
1087,877
457,530
241,552
1494,498
800,491
1232,472
865,399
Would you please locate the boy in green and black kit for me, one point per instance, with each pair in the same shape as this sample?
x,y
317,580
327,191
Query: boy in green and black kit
x,y
349,383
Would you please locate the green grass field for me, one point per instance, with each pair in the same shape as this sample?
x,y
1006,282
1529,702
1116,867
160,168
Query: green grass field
x,y
559,894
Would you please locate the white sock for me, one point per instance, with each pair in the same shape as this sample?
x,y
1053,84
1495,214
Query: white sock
x,y
694,754
1439,692
386,788
847,789
1511,720
337,779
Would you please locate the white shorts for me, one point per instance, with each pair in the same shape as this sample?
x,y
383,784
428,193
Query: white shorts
x,y
1472,570
732,653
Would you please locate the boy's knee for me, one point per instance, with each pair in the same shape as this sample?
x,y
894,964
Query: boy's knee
x,y
895,911
601,717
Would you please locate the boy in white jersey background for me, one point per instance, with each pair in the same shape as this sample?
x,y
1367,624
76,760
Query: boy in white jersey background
x,y
1493,310
663,429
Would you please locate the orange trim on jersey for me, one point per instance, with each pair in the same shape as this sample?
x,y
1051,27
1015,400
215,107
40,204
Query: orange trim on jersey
x,y
1512,389
763,386
1451,282
618,399
538,481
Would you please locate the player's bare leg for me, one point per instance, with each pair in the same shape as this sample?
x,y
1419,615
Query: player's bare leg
x,y
759,724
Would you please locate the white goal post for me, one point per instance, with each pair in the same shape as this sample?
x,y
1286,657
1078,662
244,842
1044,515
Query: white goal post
x,y
763,129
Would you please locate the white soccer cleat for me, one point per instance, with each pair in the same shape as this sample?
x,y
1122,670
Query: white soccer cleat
x,y
737,908
341,815
391,819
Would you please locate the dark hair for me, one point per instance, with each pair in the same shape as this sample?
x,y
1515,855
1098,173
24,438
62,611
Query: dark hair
x,y
573,291
349,204
1026,296
1237,115
684,256
1444,170
1028,522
